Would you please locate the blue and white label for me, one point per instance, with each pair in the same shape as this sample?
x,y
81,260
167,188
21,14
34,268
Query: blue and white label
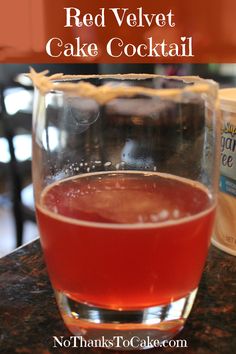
x,y
228,159
228,185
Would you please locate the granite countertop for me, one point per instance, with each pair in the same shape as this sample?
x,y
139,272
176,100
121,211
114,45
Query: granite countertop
x,y
29,317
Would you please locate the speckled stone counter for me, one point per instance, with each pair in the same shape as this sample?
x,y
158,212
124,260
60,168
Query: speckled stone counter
x,y
29,317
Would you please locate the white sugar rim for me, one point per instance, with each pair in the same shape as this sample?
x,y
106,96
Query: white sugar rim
x,y
103,94
129,226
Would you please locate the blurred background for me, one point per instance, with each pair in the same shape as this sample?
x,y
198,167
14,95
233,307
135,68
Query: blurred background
x,y
17,217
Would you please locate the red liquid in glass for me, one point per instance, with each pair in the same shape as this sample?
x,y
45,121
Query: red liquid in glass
x,y
125,240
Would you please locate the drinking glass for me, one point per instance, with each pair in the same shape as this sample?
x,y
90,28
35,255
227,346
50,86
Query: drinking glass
x,y
125,172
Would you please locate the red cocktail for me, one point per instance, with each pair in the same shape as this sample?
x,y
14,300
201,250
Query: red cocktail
x,y
125,240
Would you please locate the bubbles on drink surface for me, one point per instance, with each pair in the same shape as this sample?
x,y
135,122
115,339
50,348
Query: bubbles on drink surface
x,y
126,198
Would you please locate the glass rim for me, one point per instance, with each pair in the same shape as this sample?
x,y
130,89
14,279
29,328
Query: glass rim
x,y
75,84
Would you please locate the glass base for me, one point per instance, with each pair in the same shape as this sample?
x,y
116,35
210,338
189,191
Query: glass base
x,y
124,329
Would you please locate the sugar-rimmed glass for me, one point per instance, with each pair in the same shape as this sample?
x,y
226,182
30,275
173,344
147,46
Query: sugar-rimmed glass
x,y
125,172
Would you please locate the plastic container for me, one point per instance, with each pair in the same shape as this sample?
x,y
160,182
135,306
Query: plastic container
x,y
225,228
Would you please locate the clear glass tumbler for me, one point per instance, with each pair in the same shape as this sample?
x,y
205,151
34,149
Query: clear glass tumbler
x,y
125,172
